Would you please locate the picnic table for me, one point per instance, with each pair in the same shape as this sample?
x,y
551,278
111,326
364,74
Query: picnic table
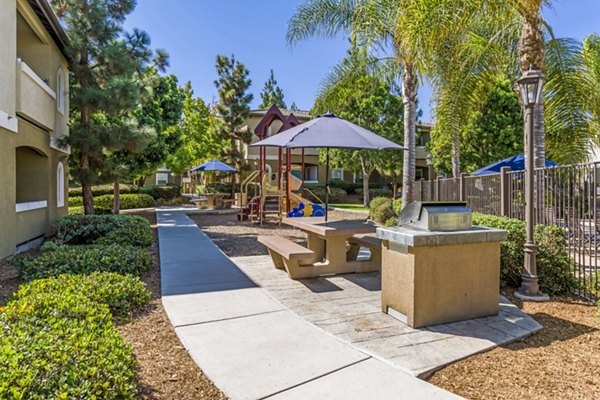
x,y
212,201
332,248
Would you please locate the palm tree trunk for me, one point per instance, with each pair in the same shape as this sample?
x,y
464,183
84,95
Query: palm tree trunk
x,y
532,55
409,98
455,155
116,197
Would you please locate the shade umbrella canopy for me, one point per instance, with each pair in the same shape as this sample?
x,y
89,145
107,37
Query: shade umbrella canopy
x,y
215,165
516,163
325,132
329,131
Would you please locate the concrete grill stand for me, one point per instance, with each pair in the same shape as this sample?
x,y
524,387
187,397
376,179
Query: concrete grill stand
x,y
437,267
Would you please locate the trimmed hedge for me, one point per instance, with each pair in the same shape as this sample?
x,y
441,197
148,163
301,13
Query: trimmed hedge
x,y
375,192
85,260
553,262
105,202
336,195
58,339
167,192
104,229
397,206
104,189
380,211
216,187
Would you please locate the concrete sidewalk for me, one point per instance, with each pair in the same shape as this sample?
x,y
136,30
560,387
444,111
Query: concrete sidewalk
x,y
250,345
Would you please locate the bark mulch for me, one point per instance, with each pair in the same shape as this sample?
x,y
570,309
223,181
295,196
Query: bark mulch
x,y
562,361
238,238
165,370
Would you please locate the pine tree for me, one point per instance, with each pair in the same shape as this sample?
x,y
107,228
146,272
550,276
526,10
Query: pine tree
x,y
106,63
271,94
233,109
294,107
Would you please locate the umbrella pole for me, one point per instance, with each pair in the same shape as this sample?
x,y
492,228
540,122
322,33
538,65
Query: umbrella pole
x,y
326,183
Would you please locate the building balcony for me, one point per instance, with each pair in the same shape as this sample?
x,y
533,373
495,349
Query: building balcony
x,y
36,101
421,153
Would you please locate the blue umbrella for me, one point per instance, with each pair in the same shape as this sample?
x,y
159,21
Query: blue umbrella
x,y
516,163
325,132
215,165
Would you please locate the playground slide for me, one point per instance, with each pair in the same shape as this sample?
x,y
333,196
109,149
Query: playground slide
x,y
305,208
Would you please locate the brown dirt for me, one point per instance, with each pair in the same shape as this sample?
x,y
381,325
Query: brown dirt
x,y
165,370
238,239
562,361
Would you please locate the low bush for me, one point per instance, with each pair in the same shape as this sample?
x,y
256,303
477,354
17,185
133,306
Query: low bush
x,y
58,339
106,229
336,195
128,201
85,259
167,192
373,193
553,263
100,190
397,206
348,187
217,187
380,211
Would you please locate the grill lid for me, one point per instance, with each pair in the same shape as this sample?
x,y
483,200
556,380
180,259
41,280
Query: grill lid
x,y
437,215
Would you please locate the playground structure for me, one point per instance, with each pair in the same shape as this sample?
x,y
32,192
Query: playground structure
x,y
285,196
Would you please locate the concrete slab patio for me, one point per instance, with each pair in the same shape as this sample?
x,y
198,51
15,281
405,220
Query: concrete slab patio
x,y
252,346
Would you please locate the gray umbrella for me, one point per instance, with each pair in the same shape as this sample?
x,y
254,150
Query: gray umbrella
x,y
325,132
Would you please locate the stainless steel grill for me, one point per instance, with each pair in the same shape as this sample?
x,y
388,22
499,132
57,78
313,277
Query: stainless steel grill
x,y
437,216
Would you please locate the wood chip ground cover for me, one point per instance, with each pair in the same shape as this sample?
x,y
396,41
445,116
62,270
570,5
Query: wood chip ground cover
x,y
562,361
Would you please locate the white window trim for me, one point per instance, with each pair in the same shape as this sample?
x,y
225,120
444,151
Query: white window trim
x,y
162,173
30,205
337,169
60,91
60,185
311,182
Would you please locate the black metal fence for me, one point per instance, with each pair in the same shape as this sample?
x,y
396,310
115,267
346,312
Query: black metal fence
x,y
566,196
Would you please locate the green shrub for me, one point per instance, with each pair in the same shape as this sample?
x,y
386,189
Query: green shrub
x,y
380,211
76,210
106,229
348,187
85,259
336,195
167,192
128,201
75,201
216,187
58,339
397,206
553,262
100,190
375,192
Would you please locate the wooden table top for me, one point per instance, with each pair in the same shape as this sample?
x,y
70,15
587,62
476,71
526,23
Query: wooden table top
x,y
331,228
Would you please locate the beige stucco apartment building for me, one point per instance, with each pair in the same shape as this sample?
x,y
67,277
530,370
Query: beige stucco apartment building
x,y
34,111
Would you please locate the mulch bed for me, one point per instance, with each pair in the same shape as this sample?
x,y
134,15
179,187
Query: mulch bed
x,y
562,361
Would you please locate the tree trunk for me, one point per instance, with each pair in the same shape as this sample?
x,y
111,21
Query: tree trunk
x,y
532,55
395,190
116,198
86,189
455,155
366,195
142,181
409,98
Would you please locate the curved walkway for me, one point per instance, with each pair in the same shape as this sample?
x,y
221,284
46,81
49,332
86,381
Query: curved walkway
x,y
249,344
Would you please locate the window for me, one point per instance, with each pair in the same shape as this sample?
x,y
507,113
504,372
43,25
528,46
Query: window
x,y
270,131
60,185
337,173
162,178
311,174
60,91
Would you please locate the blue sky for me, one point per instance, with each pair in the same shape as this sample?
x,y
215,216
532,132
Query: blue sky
x,y
195,31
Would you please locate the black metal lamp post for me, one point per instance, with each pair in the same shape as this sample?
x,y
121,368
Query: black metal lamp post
x,y
530,88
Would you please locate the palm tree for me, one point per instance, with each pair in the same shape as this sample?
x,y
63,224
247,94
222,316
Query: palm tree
x,y
372,24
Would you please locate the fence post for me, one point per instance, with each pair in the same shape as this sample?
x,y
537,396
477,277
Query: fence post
x,y
462,195
421,197
431,196
504,191
437,188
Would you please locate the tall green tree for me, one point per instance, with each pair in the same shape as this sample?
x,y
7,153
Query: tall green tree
x,y
233,109
199,140
493,132
373,104
272,94
105,62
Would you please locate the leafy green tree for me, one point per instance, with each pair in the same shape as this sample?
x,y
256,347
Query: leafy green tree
x,y
199,141
233,109
105,64
271,94
373,104
493,132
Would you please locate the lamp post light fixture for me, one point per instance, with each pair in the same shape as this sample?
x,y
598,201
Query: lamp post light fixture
x,y
530,88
